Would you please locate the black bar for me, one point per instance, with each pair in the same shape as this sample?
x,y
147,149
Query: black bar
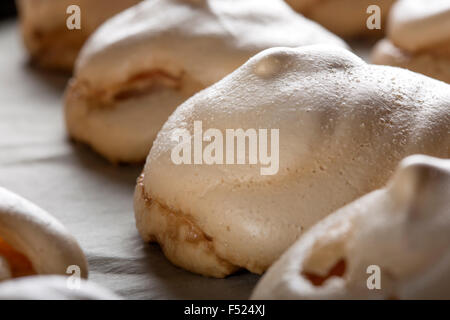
x,y
7,9
226,309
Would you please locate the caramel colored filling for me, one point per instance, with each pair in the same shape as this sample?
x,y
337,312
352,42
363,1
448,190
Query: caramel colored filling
x,y
20,265
337,270
177,221
144,83
136,86
180,229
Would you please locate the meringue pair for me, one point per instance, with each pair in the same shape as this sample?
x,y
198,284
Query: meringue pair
x,y
36,251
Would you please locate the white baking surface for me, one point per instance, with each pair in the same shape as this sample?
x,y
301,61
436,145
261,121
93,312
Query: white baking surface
x,y
92,198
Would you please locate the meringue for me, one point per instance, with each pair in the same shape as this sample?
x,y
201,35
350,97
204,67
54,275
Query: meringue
x,y
33,242
418,38
346,18
403,230
344,125
46,36
52,288
140,65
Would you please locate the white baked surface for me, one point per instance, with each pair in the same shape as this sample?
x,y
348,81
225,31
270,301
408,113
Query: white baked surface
x,y
401,228
52,288
40,237
344,126
157,63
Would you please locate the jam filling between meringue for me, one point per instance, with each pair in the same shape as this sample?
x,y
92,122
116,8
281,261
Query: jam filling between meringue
x,y
19,264
176,226
338,270
137,85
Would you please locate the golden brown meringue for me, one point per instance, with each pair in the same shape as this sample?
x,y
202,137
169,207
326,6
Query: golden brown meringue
x,y
50,43
346,18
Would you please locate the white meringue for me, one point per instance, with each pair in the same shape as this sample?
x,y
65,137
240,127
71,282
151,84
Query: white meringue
x,y
31,236
403,230
52,288
140,65
344,125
